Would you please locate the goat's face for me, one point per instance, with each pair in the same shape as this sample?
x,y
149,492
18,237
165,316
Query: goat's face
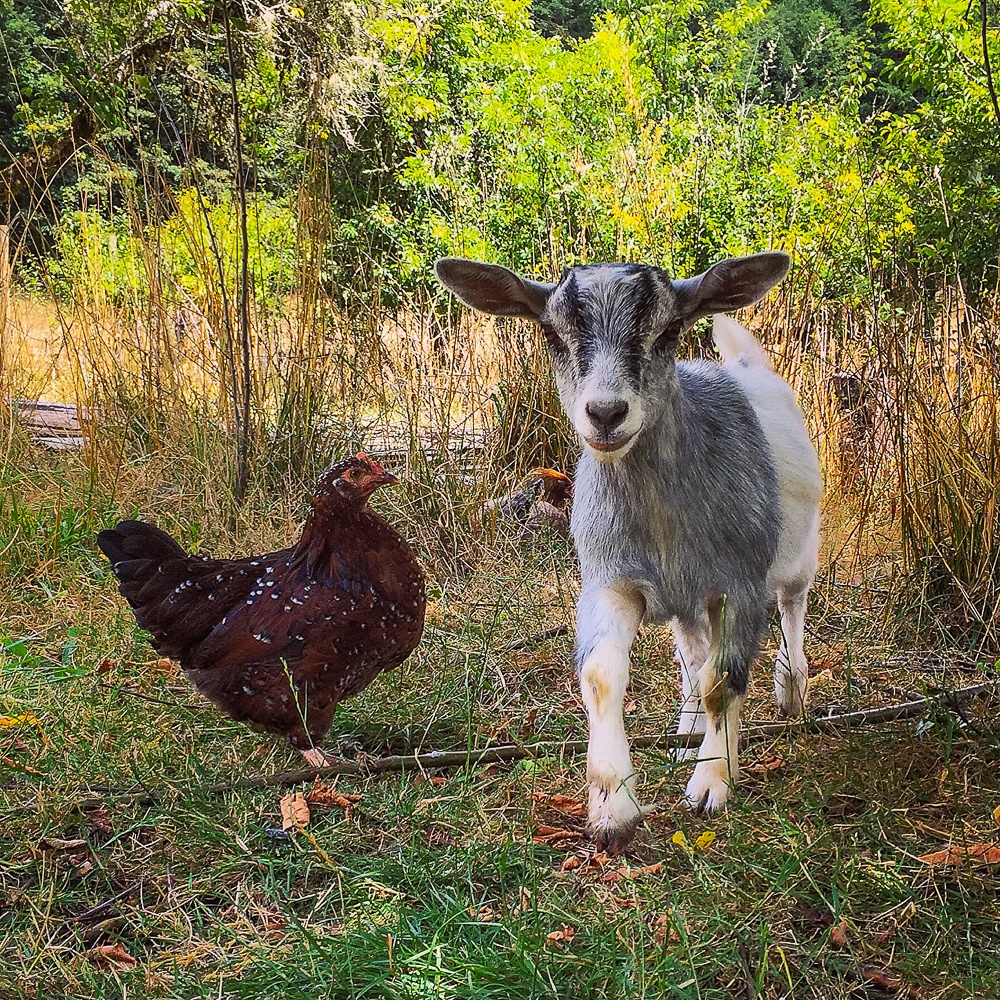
x,y
612,330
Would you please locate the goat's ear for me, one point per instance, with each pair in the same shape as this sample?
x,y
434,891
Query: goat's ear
x,y
491,288
730,284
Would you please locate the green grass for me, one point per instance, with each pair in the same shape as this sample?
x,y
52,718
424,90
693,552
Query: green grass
x,y
825,832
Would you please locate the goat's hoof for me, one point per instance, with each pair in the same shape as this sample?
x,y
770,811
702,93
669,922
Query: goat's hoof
x,y
790,696
710,785
614,817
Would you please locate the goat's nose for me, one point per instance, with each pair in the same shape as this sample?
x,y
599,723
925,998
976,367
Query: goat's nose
x,y
607,414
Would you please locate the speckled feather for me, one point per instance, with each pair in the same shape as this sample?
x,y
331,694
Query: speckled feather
x,y
278,640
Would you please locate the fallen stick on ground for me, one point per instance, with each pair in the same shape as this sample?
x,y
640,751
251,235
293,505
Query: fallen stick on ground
x,y
507,753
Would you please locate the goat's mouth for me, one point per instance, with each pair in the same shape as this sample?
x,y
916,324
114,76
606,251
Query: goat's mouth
x,y
609,448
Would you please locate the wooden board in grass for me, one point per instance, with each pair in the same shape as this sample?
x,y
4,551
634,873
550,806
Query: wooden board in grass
x,y
59,426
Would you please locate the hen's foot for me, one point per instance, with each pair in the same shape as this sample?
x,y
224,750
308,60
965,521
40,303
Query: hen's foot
x,y
316,758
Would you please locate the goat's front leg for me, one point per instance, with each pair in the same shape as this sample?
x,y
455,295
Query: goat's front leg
x,y
734,636
607,622
691,652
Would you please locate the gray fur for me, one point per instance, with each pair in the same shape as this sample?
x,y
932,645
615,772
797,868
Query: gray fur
x,y
690,513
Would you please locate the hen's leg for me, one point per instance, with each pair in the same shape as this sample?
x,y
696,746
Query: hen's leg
x,y
316,758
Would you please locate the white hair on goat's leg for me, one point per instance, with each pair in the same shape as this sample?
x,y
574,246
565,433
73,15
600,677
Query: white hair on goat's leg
x,y
691,652
607,622
791,670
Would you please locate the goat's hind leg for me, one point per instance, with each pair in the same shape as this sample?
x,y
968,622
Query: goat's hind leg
x,y
607,622
791,669
691,652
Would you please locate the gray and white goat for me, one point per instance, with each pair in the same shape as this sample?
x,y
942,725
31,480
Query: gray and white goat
x,y
696,499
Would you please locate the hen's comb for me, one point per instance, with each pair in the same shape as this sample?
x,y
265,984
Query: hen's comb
x,y
361,456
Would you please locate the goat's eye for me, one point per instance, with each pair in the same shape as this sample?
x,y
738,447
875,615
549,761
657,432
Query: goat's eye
x,y
552,338
666,339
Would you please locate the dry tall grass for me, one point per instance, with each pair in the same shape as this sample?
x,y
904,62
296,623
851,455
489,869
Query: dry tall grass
x,y
901,399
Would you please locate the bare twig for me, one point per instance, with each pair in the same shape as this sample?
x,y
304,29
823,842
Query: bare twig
x,y
101,908
508,753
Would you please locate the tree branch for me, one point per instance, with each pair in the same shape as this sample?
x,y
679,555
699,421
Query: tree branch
x,y
509,753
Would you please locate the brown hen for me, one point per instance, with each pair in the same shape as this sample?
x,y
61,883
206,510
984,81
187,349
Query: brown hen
x,y
279,640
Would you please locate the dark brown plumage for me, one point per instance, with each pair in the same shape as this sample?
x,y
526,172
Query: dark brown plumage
x,y
539,501
278,640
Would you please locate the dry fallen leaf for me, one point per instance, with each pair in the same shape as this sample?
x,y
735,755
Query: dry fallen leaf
x,y
106,665
996,815
58,844
99,820
326,797
664,931
484,914
110,956
24,719
954,855
556,837
294,811
839,935
880,982
625,902
561,938
561,803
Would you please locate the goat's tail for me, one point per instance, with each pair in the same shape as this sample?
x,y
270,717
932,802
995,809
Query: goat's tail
x,y
736,343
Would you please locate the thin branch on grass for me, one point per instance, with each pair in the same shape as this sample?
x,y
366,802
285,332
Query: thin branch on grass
x,y
510,753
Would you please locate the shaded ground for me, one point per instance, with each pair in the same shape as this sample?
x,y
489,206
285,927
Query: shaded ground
x,y
479,882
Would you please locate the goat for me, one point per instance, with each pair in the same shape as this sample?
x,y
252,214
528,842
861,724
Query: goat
x,y
696,500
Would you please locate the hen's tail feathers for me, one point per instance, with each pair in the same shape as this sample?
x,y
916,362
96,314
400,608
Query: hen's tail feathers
x,y
737,344
137,542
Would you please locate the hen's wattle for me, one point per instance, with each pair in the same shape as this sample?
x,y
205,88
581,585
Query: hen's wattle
x,y
278,640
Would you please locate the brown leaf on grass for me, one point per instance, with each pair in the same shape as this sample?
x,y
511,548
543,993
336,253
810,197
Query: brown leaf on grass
x,y
110,956
58,844
813,917
664,931
555,837
954,854
626,903
484,914
525,900
527,727
839,936
561,803
18,766
883,983
570,863
99,820
326,797
561,938
763,765
294,811
106,665
434,779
